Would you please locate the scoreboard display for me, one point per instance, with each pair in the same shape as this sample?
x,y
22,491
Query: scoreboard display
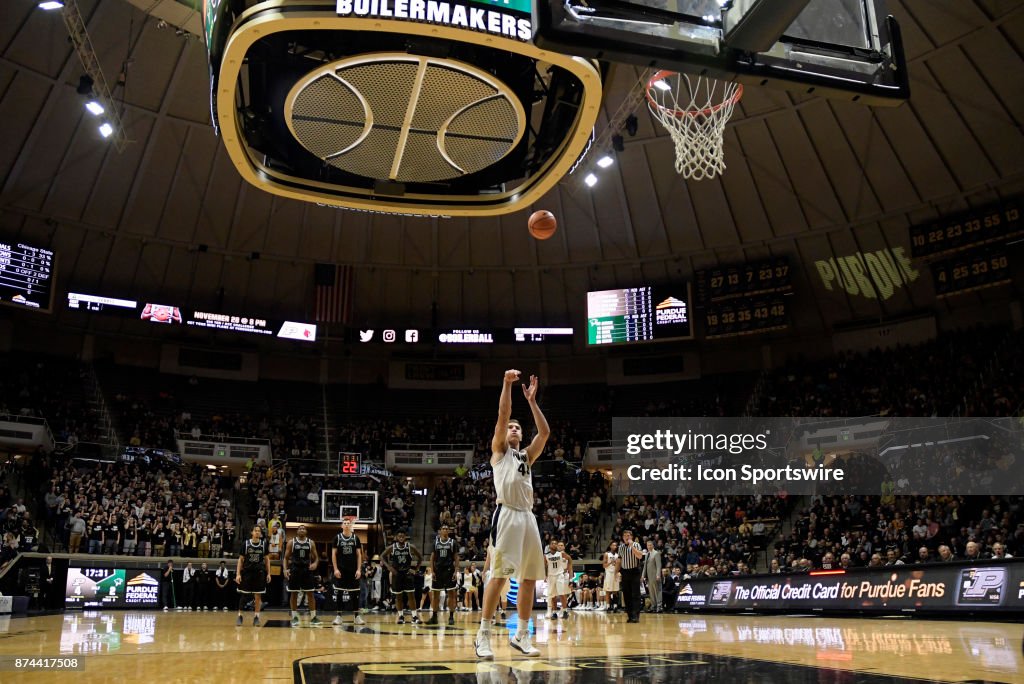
x,y
976,227
648,313
26,275
91,587
745,316
743,280
972,270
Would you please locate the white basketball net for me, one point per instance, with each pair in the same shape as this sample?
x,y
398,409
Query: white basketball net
x,y
694,110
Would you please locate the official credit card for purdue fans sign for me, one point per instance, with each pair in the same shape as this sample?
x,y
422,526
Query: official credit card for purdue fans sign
x,y
984,586
507,18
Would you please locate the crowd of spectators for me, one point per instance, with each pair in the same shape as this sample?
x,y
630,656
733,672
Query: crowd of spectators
x,y
18,532
49,388
137,509
1000,393
158,421
703,536
126,507
874,531
934,378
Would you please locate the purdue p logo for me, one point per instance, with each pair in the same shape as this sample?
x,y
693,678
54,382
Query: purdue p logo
x,y
981,587
720,593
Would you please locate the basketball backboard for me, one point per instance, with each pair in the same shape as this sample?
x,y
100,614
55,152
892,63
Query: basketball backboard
x,y
337,505
839,48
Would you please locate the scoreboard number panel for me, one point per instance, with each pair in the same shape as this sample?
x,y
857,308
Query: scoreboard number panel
x,y
969,271
968,229
745,316
741,280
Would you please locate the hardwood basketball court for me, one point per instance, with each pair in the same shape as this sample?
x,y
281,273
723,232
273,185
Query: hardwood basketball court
x,y
588,647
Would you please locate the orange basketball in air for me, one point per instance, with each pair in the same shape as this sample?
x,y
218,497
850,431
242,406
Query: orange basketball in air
x,y
542,224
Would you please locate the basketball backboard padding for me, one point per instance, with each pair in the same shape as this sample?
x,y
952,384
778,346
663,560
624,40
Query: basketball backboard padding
x,y
848,49
756,25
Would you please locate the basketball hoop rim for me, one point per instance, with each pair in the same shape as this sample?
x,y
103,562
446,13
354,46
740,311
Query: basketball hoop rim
x,y
678,113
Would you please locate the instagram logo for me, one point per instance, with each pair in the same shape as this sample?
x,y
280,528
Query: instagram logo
x,y
389,335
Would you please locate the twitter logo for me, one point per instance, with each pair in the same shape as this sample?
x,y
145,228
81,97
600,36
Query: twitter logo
x,y
365,335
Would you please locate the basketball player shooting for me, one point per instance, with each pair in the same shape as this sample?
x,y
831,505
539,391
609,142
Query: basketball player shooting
x,y
515,538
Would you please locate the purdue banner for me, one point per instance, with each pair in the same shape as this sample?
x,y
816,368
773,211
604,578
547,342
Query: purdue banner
x,y
983,586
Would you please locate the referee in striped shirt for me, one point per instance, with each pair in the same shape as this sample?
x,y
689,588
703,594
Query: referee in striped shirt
x,y
631,559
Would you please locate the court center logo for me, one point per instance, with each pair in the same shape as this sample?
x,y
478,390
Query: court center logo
x,y
981,587
667,667
653,667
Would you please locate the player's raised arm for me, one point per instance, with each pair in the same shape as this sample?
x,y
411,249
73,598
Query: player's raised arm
x,y
536,447
499,441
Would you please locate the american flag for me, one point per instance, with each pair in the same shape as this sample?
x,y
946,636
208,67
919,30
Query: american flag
x,y
333,293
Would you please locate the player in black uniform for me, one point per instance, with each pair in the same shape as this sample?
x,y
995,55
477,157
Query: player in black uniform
x,y
347,560
397,559
443,562
252,574
300,560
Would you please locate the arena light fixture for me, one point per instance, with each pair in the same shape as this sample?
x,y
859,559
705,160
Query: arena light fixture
x,y
94,107
590,180
106,130
605,161
51,5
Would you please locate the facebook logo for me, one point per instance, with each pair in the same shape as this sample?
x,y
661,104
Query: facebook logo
x,y
981,587
412,335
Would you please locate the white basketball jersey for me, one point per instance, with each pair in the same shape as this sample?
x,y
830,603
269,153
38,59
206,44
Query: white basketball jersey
x,y
556,563
513,481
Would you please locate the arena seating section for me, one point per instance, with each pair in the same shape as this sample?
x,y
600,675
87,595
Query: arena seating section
x,y
969,372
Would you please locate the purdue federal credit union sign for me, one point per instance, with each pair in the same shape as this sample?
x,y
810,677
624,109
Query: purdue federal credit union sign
x,y
506,18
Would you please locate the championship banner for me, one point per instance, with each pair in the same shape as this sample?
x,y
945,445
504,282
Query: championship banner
x,y
995,586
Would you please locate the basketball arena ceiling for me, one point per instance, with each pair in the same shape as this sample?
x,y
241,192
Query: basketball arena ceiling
x,y
807,178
